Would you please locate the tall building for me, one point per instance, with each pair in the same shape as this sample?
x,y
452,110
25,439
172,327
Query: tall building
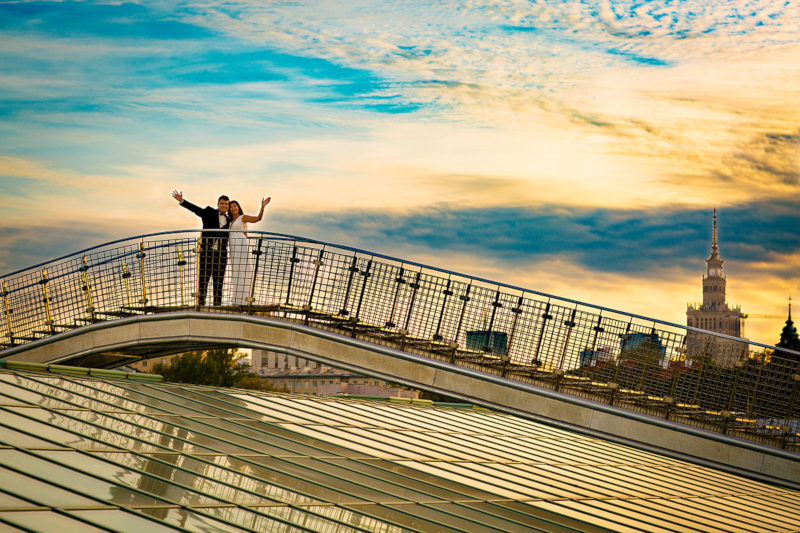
x,y
714,314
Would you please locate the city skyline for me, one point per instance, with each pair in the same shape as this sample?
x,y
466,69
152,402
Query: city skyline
x,y
575,148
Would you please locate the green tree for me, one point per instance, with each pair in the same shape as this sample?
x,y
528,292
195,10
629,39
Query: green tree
x,y
217,368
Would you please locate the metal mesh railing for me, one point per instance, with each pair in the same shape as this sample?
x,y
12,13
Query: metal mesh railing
x,y
684,374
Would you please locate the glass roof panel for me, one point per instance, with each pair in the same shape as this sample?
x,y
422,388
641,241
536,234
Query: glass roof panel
x,y
10,437
40,492
458,474
601,518
543,523
133,522
329,518
325,475
346,465
8,528
342,471
295,488
8,501
108,492
49,521
185,488
12,395
198,519
462,490
80,392
404,518
66,438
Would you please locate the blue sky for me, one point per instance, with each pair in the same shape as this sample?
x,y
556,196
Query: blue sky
x,y
537,143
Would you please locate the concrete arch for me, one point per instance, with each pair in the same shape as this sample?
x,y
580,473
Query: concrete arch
x,y
152,335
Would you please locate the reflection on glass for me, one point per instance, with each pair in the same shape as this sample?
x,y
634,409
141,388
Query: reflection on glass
x,y
180,434
143,481
10,395
82,483
66,438
50,521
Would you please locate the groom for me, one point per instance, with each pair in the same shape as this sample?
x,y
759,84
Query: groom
x,y
213,244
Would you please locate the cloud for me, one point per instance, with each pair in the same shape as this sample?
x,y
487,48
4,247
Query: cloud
x,y
637,243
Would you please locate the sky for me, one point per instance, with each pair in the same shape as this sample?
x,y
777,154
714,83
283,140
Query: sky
x,y
574,147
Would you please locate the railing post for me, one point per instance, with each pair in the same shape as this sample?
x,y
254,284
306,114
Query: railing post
x,y
87,289
415,287
198,250
366,275
598,329
181,262
141,256
46,296
400,282
447,292
125,276
570,324
464,298
495,305
251,297
292,261
317,264
8,314
353,269
517,311
545,317
625,337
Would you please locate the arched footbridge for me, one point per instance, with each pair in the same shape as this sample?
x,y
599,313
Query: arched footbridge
x,y
716,399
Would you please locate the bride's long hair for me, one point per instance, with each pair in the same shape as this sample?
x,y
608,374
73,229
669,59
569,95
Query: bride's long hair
x,y
241,211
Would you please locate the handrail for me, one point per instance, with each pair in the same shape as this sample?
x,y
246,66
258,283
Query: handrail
x,y
286,236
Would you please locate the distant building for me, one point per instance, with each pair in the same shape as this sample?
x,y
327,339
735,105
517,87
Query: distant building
x,y
303,376
714,314
789,338
146,365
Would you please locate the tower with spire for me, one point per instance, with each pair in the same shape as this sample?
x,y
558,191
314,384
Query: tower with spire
x,y
789,337
714,314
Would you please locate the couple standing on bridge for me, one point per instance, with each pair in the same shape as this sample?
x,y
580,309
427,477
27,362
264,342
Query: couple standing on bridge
x,y
222,251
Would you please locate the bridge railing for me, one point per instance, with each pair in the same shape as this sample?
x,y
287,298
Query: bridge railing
x,y
688,375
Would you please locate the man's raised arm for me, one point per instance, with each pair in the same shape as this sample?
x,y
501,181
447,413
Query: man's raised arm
x,y
187,204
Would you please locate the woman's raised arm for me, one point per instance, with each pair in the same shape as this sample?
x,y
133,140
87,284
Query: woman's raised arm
x,y
248,218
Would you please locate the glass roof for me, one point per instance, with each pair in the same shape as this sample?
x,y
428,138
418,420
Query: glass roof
x,y
93,454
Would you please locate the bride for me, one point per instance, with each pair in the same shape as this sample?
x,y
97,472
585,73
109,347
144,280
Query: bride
x,y
239,265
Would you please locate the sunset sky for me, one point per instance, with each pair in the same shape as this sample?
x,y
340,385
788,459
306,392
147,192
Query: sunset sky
x,y
576,147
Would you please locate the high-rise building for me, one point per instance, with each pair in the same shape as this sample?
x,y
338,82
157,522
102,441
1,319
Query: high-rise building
x,y
714,314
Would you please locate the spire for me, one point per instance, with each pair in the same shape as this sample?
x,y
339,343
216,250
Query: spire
x,y
789,337
714,259
714,237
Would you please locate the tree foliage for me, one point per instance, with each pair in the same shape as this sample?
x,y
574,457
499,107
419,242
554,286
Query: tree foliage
x,y
216,368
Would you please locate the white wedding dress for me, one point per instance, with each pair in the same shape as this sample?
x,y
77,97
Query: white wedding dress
x,y
239,264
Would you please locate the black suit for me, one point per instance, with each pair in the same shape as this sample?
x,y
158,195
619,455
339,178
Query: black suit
x,y
213,250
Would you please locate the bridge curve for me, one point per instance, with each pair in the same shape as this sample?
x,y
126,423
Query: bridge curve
x,y
96,308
